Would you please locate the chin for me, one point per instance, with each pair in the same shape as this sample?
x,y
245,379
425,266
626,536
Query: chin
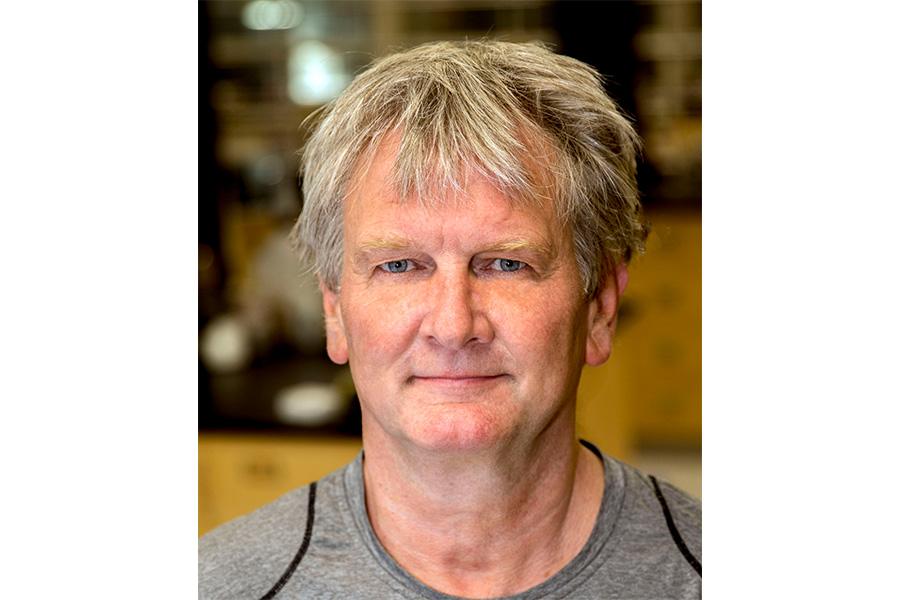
x,y
460,427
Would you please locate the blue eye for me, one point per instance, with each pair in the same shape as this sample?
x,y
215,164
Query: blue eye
x,y
396,266
508,265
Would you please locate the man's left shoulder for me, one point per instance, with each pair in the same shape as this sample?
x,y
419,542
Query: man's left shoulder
x,y
664,513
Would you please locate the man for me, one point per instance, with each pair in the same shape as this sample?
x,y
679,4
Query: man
x,y
470,209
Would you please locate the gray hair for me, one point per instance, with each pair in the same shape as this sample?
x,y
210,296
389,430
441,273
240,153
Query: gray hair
x,y
537,124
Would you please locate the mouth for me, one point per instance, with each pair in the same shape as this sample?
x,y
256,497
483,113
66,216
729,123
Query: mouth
x,y
455,379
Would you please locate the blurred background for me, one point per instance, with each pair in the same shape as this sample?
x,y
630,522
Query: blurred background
x,y
274,412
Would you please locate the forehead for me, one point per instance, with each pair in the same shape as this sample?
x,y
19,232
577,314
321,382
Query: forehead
x,y
478,204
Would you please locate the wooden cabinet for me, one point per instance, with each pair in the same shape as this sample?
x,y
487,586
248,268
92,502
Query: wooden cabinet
x,y
663,343
649,393
238,473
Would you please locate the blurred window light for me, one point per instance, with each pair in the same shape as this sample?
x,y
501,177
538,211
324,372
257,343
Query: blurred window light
x,y
272,14
267,170
315,73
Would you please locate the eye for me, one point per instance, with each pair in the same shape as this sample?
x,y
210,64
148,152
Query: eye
x,y
397,266
507,264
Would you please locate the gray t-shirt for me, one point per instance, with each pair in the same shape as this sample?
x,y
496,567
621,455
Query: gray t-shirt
x,y
294,548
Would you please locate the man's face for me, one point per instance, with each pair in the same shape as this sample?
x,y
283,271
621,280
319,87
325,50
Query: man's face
x,y
465,325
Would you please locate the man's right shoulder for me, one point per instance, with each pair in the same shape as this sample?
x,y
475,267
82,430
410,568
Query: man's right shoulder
x,y
245,557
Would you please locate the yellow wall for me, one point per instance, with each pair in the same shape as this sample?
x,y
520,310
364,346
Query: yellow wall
x,y
649,394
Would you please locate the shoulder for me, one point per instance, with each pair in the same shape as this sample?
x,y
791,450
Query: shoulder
x,y
654,534
664,513
686,512
246,557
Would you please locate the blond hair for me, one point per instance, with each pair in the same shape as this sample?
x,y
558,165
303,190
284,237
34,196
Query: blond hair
x,y
537,124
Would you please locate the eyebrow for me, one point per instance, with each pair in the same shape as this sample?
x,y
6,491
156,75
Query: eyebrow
x,y
384,243
373,246
540,247
363,253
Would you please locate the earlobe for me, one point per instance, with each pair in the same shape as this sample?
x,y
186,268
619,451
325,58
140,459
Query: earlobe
x,y
336,338
602,312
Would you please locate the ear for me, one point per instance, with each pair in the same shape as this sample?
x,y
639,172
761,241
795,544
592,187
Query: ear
x,y
335,333
602,311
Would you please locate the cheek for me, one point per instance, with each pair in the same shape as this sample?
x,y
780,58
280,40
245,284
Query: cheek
x,y
545,327
380,326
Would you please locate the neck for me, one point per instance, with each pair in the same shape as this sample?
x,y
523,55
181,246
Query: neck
x,y
487,523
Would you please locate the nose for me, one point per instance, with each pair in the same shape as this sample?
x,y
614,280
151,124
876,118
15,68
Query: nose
x,y
455,318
